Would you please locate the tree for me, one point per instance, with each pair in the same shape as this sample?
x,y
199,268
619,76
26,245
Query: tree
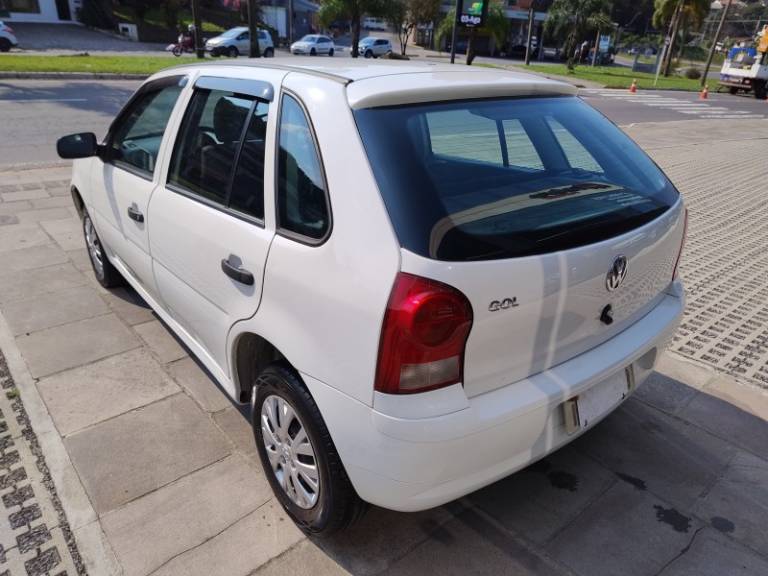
x,y
577,19
678,15
496,25
405,15
352,10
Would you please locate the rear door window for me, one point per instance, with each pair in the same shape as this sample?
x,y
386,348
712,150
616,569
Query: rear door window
x,y
488,179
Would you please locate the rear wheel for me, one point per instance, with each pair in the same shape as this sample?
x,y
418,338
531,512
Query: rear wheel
x,y
313,52
298,455
330,52
177,50
105,273
5,45
269,53
232,52
760,91
733,90
368,54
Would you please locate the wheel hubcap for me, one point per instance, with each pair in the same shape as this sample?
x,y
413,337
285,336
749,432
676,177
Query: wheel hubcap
x,y
94,247
290,452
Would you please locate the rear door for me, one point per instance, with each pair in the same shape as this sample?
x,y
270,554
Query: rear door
x,y
211,223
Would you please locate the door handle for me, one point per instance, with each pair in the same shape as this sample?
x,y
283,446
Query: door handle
x,y
236,273
134,214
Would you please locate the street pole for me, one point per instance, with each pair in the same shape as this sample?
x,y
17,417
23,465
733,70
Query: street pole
x,y
453,33
531,14
197,21
597,46
675,24
714,43
290,22
254,50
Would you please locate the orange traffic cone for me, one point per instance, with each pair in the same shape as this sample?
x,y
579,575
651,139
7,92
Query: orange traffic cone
x,y
633,88
704,94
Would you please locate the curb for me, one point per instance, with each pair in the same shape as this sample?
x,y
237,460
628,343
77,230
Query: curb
x,y
91,541
70,76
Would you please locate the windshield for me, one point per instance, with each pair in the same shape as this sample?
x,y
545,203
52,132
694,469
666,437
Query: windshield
x,y
233,32
309,38
487,179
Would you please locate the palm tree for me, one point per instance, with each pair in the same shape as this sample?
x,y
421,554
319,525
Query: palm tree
x,y
678,15
577,18
496,25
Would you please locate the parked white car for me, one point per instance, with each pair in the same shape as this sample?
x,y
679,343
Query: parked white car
x,y
312,45
372,47
7,37
485,269
236,41
372,23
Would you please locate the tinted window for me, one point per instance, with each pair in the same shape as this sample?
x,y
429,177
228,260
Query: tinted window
x,y
301,194
504,178
204,156
247,193
137,136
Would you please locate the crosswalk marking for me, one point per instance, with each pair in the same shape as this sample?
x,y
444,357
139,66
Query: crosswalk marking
x,y
701,109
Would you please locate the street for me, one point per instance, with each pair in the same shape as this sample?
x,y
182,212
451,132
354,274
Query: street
x,y
673,483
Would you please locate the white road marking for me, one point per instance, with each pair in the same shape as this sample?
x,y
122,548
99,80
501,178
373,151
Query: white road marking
x,y
698,108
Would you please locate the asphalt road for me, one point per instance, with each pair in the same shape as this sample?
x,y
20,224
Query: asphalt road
x,y
34,113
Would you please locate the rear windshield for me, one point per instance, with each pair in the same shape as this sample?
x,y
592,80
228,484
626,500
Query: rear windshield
x,y
488,179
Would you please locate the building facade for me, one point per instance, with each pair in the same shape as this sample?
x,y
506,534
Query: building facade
x,y
47,11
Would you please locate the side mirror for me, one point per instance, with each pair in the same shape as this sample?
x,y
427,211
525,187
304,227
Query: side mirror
x,y
78,145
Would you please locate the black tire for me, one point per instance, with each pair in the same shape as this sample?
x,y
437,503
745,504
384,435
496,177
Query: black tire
x,y
313,52
269,53
177,50
338,505
760,91
233,52
330,52
368,54
733,90
106,274
5,45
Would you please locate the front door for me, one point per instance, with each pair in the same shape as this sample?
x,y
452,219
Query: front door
x,y
127,176
209,230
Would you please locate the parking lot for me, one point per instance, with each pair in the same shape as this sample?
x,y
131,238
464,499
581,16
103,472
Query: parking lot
x,y
158,473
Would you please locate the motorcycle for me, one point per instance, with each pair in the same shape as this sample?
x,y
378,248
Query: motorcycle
x,y
185,43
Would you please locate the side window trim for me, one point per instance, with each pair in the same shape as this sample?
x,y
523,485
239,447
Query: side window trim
x,y
253,88
155,85
291,235
186,192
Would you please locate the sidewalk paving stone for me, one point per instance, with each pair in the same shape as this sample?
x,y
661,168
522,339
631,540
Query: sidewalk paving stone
x,y
160,341
22,236
656,453
43,214
90,394
23,195
36,282
140,451
712,554
70,345
304,559
29,258
67,232
189,374
54,309
194,509
128,305
237,427
626,531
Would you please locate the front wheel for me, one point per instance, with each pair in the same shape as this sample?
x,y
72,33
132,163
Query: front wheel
x,y
313,52
298,454
368,54
5,45
177,50
105,273
269,53
760,91
330,52
733,90
232,52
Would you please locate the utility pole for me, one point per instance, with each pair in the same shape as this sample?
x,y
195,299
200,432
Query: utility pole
x,y
453,33
531,15
714,43
597,47
197,21
254,50
290,22
674,25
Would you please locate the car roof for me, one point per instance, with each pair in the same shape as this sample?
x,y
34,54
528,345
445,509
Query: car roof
x,y
389,82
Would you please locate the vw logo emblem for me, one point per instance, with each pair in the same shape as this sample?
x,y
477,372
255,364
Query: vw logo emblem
x,y
617,273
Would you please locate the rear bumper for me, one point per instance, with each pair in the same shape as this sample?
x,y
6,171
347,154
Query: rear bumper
x,y
415,464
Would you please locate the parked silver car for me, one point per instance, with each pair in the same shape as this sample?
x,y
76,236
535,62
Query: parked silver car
x,y
236,41
372,47
313,44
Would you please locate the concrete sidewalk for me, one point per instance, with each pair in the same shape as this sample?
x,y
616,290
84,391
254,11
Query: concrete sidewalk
x,y
158,474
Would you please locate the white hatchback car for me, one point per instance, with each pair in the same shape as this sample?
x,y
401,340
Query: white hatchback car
x,y
372,47
482,271
313,45
236,41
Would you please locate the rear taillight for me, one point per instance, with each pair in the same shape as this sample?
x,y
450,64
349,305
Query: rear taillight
x,y
423,336
682,244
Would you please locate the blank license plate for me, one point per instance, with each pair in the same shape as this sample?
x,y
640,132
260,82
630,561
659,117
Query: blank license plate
x,y
580,412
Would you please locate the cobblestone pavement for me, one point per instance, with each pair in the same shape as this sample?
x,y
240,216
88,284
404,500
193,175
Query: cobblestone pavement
x,y
725,263
35,537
